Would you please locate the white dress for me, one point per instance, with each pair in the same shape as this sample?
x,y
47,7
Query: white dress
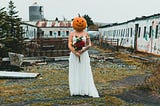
x,y
80,75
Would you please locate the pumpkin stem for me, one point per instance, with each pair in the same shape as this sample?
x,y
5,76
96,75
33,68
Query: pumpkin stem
x,y
79,15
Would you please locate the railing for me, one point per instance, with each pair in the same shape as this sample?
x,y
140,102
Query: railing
x,y
107,43
113,42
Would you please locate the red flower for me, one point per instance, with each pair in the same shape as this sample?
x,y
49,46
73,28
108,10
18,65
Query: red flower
x,y
79,44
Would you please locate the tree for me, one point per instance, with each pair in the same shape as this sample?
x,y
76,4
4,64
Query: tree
x,y
14,21
89,20
56,19
3,30
90,23
3,23
12,33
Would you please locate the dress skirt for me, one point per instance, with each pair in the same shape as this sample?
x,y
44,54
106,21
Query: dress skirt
x,y
80,76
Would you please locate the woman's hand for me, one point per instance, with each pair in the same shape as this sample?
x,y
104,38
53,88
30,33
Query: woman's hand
x,y
81,51
77,54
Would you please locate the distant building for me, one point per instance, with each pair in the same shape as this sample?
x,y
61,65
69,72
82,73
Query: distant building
x,y
30,31
38,27
47,29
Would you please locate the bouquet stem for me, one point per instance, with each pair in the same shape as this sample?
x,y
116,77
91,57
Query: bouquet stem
x,y
79,59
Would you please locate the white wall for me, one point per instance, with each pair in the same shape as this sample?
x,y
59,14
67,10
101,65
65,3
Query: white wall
x,y
30,31
145,43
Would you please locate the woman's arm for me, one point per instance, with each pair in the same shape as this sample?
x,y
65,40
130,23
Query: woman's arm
x,y
88,43
70,42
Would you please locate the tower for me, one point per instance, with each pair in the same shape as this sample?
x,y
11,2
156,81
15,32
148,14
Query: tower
x,y
36,12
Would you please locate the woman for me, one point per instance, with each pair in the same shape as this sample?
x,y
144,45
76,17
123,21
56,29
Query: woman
x,y
80,75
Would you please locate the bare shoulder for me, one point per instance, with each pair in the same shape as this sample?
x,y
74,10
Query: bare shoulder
x,y
71,34
86,34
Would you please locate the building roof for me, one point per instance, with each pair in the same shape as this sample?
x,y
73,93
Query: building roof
x,y
50,23
133,20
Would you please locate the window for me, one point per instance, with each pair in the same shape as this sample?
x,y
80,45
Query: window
x,y
114,33
50,33
156,31
144,34
128,32
124,31
67,33
150,31
139,31
42,33
59,33
131,33
121,32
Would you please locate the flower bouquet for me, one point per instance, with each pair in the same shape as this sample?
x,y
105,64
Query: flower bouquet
x,y
79,44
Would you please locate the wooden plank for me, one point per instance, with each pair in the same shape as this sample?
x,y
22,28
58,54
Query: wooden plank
x,y
7,74
138,57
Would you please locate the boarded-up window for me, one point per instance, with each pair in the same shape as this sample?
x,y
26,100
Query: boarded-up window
x,y
131,33
128,32
121,32
124,32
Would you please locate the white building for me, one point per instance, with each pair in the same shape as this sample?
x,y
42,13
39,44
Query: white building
x,y
46,29
142,34
30,31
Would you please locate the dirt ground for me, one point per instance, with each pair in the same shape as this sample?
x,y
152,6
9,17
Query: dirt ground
x,y
117,77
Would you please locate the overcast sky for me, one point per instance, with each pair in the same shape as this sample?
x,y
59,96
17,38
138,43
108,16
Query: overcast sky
x,y
106,11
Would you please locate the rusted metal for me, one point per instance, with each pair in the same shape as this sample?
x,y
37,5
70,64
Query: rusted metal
x,y
48,47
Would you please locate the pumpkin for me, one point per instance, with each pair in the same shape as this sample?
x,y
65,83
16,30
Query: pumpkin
x,y
79,23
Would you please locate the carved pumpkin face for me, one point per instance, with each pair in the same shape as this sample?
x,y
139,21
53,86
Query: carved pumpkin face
x,y
79,23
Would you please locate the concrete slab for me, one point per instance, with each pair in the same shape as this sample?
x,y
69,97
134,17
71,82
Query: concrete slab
x,y
15,59
7,74
61,58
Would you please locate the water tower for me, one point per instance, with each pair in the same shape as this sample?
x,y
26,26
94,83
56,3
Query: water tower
x,y
36,12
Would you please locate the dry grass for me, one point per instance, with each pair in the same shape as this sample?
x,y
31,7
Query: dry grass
x,y
153,81
51,87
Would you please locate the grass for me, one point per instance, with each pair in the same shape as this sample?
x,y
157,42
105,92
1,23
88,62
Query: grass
x,y
51,87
